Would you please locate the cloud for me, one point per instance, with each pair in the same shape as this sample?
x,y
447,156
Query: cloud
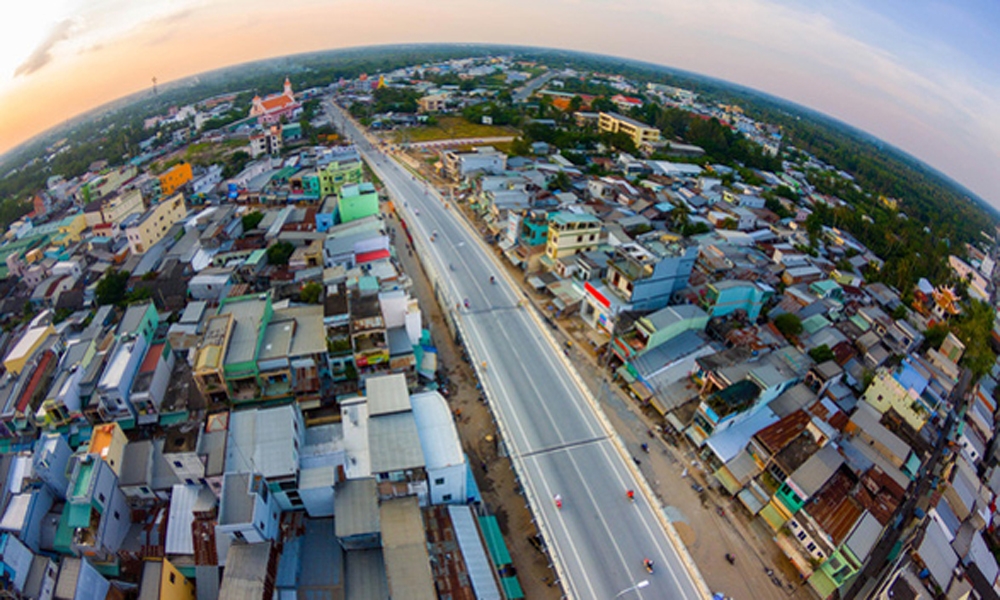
x,y
43,53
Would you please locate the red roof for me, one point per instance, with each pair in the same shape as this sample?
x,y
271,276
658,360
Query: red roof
x,y
364,257
152,356
36,379
275,103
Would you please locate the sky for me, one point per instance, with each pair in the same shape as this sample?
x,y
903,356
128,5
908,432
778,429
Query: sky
x,y
922,75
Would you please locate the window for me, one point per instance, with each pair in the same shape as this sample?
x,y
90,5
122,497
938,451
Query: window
x,y
117,516
446,498
239,536
100,497
173,579
439,481
801,535
189,481
178,464
811,547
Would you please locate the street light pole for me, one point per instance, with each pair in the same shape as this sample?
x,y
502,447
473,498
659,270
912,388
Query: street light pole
x,y
638,586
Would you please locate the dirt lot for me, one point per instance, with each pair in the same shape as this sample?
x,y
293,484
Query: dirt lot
x,y
452,128
478,433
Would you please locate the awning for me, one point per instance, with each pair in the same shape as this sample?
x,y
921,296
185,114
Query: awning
x,y
536,282
511,588
658,405
494,540
641,390
365,257
505,244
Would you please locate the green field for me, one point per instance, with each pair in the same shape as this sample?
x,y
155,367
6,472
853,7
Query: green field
x,y
449,128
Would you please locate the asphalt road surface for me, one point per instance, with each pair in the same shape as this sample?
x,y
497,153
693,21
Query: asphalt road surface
x,y
599,538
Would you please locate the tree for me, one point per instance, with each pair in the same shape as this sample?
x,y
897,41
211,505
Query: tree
x,y
821,354
602,105
575,103
788,324
900,312
935,335
311,293
279,253
112,288
560,182
252,220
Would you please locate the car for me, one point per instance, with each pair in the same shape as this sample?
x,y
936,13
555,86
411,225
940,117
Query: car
x,y
697,487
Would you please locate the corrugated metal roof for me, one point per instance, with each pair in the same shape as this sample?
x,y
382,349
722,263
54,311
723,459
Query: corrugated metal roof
x,y
149,589
404,546
394,443
387,394
816,471
69,573
185,500
366,579
476,562
357,507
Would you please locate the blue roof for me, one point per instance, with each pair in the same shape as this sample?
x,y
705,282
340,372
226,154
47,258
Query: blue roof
x,y
910,378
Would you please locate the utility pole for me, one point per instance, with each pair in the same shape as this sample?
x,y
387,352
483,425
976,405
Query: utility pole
x,y
154,86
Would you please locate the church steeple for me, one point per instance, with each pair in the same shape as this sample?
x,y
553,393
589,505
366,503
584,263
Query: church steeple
x,y
288,88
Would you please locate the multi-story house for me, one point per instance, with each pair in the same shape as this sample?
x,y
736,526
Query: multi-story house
x,y
368,333
338,170
248,512
267,442
173,178
154,224
357,201
115,385
640,133
572,233
151,381
95,509
726,297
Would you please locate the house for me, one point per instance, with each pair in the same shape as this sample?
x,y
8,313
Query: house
x,y
483,159
447,467
173,178
667,323
115,385
248,513
266,442
357,201
357,522
638,132
154,224
79,580
404,546
251,572
151,381
572,233
96,509
433,103
725,297
161,580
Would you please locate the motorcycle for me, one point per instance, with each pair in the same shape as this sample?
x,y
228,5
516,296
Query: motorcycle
x,y
731,559
631,495
558,500
648,564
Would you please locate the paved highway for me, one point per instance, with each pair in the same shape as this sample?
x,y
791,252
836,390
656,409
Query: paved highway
x,y
553,432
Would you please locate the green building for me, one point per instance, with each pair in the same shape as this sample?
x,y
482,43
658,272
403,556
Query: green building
x,y
357,201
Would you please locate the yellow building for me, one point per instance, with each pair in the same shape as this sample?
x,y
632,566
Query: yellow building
x,y
208,359
174,178
109,442
121,206
70,230
640,133
161,580
155,223
26,347
572,233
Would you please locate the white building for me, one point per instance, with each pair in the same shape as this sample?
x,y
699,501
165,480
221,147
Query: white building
x,y
150,385
447,468
206,183
116,381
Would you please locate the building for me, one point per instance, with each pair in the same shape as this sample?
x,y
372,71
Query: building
x,y
115,385
483,159
572,233
31,340
357,201
447,467
150,386
175,177
161,580
342,168
274,108
252,352
639,132
432,103
266,442
267,142
726,297
96,509
117,208
154,224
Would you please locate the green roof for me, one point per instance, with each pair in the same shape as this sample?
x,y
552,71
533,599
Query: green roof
x,y
256,256
64,534
814,324
494,540
79,515
511,588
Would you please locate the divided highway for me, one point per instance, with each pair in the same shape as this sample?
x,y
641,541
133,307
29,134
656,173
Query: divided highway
x,y
553,432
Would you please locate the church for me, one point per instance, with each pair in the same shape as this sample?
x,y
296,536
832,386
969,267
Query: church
x,y
271,109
